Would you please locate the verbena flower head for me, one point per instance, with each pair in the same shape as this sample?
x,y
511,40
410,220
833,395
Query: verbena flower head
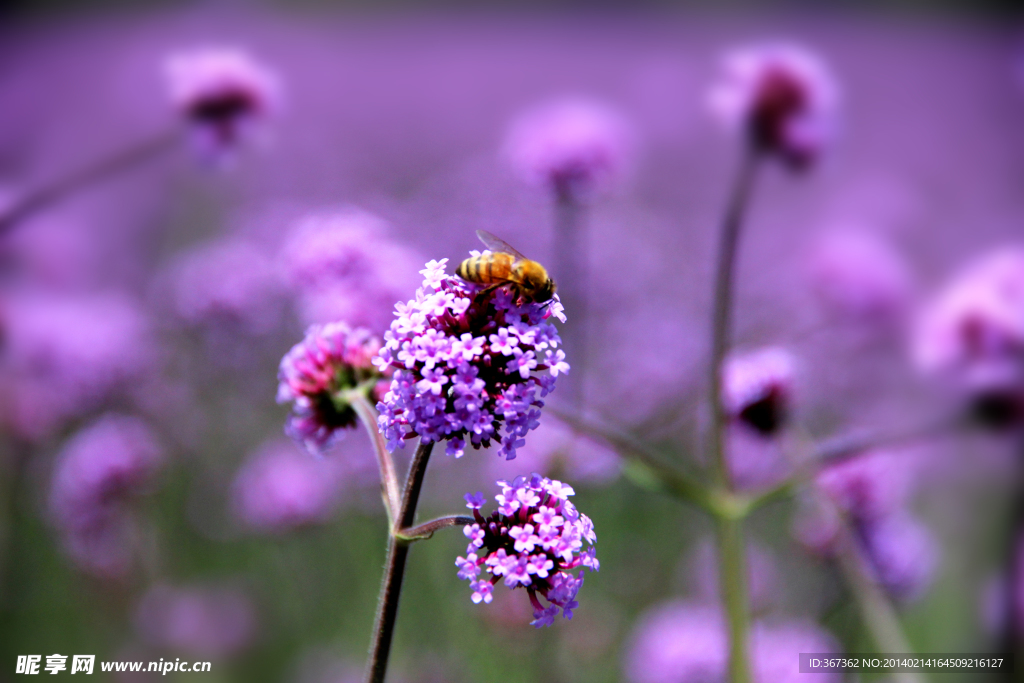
x,y
97,472
757,388
342,266
222,92
314,377
535,539
470,365
280,488
973,334
858,276
211,621
903,554
573,146
781,97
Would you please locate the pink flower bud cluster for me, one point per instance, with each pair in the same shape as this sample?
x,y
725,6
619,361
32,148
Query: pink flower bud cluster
x,y
314,376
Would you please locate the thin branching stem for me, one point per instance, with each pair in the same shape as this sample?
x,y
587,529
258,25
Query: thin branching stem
x,y
398,553
385,463
422,532
54,191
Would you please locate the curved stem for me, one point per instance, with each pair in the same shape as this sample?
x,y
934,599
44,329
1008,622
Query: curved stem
x,y
388,477
50,193
721,322
422,532
398,553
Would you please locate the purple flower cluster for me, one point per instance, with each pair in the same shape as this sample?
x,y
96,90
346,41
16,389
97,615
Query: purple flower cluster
x,y
314,375
223,93
97,472
575,147
65,355
534,539
782,97
469,363
872,491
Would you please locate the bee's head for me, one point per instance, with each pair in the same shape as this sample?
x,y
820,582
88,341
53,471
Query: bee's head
x,y
544,291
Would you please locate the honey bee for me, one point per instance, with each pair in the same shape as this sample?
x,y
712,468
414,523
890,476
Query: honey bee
x,y
504,266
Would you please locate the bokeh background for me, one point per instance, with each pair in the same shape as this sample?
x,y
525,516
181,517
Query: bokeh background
x,y
170,293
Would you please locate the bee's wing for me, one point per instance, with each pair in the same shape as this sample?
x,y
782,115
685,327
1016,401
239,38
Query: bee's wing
x,y
498,245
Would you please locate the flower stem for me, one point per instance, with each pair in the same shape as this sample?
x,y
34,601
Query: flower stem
x,y
389,478
398,553
721,322
571,266
733,572
50,193
423,531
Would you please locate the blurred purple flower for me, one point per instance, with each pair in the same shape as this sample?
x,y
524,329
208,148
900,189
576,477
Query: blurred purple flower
x,y
62,355
228,283
781,97
575,147
202,621
314,375
468,362
279,488
757,389
872,492
342,266
973,333
554,448
534,539
96,473
903,553
223,94
858,276
684,642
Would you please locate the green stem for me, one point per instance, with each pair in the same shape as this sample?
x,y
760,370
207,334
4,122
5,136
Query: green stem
x,y
422,532
733,573
388,476
398,553
45,195
571,266
721,321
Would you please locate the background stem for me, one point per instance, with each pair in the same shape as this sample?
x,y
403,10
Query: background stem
x,y
398,553
45,195
721,321
733,572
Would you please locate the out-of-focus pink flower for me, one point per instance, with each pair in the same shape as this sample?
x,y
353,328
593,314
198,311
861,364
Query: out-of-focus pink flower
x,y
757,388
96,473
213,622
858,276
978,317
555,450
973,332
65,354
228,283
872,485
223,93
280,488
313,376
343,266
780,96
574,146
685,642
